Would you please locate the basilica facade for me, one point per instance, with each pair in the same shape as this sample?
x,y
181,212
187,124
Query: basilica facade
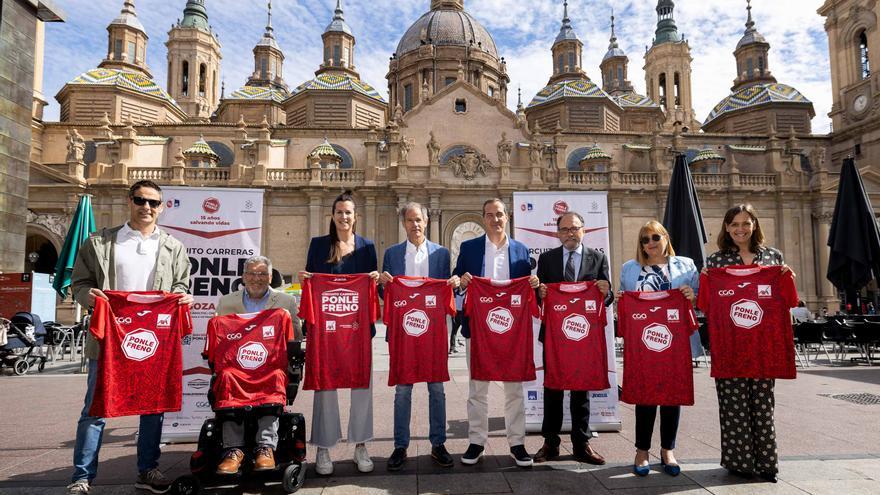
x,y
446,138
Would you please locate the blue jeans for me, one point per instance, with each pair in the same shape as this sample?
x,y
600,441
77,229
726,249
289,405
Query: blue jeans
x,y
436,414
90,429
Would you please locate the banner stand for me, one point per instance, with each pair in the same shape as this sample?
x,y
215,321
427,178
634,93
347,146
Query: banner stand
x,y
535,215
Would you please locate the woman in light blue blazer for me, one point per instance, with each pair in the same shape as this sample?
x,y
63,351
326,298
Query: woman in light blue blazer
x,y
656,267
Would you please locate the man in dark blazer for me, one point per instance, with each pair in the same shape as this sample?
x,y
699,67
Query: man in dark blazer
x,y
496,256
418,257
570,262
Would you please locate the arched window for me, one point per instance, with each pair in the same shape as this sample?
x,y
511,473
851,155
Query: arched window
x,y
864,61
337,55
561,63
203,79
620,74
572,61
677,83
264,68
761,65
662,85
750,67
184,78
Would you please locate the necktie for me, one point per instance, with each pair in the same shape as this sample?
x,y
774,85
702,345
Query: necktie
x,y
569,268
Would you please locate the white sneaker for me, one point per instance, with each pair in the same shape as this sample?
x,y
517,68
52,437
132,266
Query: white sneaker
x,y
362,459
323,464
78,487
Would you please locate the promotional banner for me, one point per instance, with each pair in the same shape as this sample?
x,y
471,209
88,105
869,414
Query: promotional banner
x,y
535,219
221,228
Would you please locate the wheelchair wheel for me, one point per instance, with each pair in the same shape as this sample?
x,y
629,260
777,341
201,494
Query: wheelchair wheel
x,y
21,366
186,485
294,476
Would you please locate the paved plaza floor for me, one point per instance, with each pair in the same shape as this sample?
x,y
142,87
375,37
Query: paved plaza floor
x,y
827,445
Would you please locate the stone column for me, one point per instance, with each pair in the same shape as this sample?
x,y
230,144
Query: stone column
x,y
402,199
435,212
316,205
370,216
823,222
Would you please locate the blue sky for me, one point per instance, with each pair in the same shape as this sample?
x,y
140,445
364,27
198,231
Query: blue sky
x,y
523,31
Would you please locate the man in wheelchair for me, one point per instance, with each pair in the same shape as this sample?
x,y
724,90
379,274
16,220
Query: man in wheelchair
x,y
253,348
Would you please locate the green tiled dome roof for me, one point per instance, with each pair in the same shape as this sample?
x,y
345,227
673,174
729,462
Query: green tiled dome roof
x,y
635,100
575,88
597,153
757,95
259,93
123,79
338,82
201,147
325,150
707,154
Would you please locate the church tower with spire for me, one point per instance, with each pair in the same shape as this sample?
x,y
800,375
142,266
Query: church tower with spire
x,y
339,44
194,62
615,67
567,50
668,71
268,59
127,42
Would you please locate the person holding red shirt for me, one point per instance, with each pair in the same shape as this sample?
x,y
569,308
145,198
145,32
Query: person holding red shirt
x,y
748,441
342,252
657,268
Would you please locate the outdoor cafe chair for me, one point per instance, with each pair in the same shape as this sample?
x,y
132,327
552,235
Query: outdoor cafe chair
x,y
808,335
839,333
865,336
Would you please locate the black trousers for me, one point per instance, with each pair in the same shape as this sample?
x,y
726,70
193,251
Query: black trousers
x,y
456,324
645,416
580,417
748,432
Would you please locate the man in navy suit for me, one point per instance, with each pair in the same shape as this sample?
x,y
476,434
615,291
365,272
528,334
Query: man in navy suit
x,y
498,257
418,257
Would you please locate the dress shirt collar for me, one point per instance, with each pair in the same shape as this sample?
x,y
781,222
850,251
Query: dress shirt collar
x,y
578,250
490,244
412,248
127,232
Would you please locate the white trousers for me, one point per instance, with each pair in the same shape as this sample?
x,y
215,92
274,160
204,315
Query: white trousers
x,y
478,410
326,425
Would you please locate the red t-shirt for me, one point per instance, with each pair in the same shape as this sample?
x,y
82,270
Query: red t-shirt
x,y
339,310
656,328
415,314
141,363
575,352
249,355
749,321
500,317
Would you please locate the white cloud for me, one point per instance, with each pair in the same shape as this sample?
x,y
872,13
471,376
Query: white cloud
x,y
523,31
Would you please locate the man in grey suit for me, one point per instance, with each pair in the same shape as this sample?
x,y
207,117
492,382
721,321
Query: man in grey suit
x,y
418,257
255,297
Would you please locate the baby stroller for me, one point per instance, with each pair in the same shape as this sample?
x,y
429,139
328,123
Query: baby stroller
x,y
289,456
24,340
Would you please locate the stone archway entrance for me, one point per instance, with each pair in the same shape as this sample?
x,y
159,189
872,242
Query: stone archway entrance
x,y
462,228
40,254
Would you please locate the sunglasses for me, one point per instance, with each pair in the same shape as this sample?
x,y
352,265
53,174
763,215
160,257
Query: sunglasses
x,y
141,201
656,238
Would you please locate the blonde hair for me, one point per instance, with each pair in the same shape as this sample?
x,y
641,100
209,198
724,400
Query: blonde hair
x,y
652,227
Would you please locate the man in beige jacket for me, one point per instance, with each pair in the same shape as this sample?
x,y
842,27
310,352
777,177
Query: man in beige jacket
x,y
135,256
254,297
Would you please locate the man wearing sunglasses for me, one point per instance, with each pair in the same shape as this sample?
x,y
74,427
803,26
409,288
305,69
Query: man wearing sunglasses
x,y
135,256
570,262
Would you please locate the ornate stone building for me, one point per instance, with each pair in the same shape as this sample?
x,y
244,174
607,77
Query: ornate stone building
x,y
447,139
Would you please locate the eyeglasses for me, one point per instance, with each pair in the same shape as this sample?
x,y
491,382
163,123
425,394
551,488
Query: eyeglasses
x,y
257,274
569,230
645,239
141,201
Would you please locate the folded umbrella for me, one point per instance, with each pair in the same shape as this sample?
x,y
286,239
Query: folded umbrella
x,y
82,225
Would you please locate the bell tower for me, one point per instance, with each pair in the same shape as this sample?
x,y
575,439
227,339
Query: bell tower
x,y
567,50
614,66
668,71
127,42
339,44
194,62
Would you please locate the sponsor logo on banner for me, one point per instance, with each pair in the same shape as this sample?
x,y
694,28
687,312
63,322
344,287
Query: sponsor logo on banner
x,y
575,327
765,291
746,313
140,344
657,337
533,395
268,331
330,326
560,207
163,321
340,302
526,207
198,383
516,300
415,322
499,320
252,356
430,301
211,205
590,306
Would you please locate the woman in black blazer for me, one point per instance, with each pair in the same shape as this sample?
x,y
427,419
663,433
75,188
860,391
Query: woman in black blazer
x,y
342,252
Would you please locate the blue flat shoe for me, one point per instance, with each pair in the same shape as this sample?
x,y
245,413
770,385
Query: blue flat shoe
x,y
671,469
641,470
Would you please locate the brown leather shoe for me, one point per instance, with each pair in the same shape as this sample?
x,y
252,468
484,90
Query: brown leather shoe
x,y
546,453
265,459
231,462
588,455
